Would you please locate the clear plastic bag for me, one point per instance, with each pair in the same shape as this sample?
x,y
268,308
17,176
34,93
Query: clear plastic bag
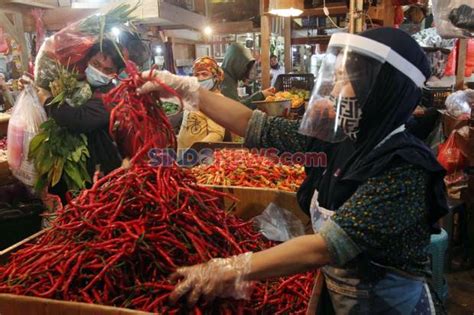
x,y
27,116
459,104
278,224
454,18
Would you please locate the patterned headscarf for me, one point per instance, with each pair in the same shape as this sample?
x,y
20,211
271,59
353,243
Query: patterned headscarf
x,y
209,64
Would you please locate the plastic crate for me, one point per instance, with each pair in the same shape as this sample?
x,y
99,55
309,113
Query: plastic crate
x,y
437,251
286,82
435,96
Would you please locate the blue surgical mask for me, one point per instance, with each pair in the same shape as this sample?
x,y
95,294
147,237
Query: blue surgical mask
x,y
208,84
96,78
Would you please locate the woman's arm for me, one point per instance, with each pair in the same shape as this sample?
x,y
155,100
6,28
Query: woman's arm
x,y
295,256
232,277
226,112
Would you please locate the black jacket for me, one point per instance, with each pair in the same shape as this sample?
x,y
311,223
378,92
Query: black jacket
x,y
91,119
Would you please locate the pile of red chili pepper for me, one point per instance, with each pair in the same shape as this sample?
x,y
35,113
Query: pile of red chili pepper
x,y
117,243
244,168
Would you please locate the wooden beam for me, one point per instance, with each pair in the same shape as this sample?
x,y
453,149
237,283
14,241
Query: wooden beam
x,y
384,12
54,20
265,50
461,63
233,27
32,4
20,31
177,15
324,40
264,5
288,53
339,8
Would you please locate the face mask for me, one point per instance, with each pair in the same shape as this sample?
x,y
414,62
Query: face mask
x,y
275,66
96,77
207,84
349,116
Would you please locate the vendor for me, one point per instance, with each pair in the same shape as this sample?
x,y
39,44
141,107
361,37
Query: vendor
x,y
275,69
197,127
92,118
239,65
375,204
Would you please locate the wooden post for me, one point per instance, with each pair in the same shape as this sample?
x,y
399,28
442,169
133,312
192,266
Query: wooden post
x,y
18,22
265,50
383,12
288,53
461,63
356,16
16,30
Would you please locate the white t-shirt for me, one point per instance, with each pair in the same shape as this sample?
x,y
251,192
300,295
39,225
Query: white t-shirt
x,y
274,73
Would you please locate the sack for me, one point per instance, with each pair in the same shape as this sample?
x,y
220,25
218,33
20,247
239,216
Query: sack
x,y
454,18
27,116
450,155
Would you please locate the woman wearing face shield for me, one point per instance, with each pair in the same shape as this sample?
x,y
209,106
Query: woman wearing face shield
x,y
373,208
196,126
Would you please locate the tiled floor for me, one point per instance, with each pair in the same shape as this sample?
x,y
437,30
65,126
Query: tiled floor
x,y
461,293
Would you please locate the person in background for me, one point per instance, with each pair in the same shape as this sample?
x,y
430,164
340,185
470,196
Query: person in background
x,y
91,118
239,65
275,69
197,127
6,100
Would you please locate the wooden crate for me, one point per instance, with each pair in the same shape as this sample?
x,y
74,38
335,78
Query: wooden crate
x,y
24,305
6,176
4,124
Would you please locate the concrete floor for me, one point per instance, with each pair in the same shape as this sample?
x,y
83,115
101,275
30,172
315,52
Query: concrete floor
x,y
461,293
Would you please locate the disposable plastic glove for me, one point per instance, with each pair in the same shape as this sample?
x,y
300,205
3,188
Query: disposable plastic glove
x,y
186,87
219,277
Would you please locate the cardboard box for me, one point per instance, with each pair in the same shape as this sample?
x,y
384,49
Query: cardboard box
x,y
450,123
253,201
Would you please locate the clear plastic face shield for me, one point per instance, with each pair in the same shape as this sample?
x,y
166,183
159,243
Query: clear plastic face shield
x,y
347,76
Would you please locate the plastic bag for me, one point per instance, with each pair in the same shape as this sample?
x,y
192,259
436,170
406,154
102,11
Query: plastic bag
x,y
278,224
27,116
459,104
450,155
71,45
455,183
454,18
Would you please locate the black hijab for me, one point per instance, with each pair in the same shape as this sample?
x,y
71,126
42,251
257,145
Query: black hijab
x,y
389,105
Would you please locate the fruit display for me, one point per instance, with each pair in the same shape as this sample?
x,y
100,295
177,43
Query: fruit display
x,y
297,97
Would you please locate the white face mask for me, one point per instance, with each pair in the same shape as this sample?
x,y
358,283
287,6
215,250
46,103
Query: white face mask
x,y
208,84
96,78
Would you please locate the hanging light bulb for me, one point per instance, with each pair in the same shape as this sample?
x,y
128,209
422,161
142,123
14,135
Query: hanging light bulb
x,y
286,8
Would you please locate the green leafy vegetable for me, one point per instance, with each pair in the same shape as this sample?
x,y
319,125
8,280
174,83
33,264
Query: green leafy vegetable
x,y
59,154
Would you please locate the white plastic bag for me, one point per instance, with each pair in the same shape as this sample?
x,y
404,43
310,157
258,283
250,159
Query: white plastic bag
x,y
454,18
278,224
459,103
27,116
